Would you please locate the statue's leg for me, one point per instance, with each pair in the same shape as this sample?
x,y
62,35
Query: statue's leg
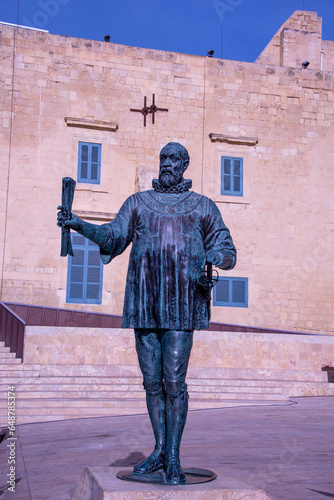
x,y
176,348
148,348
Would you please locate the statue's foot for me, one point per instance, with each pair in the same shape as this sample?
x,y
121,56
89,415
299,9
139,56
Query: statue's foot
x,y
174,472
154,462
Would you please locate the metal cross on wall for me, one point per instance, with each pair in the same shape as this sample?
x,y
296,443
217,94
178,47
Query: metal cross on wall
x,y
149,109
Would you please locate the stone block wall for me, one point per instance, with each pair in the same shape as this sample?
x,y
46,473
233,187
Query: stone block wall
x,y
299,40
282,226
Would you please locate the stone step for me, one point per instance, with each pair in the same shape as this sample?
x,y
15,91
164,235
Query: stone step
x,y
304,391
103,406
3,348
94,389
131,407
23,385
282,392
5,353
193,372
140,394
293,388
211,373
212,403
37,409
13,372
26,416
20,367
29,418
60,394
9,361
57,404
104,399
269,382
94,383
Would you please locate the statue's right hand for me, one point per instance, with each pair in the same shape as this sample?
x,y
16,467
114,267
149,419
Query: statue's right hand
x,y
73,222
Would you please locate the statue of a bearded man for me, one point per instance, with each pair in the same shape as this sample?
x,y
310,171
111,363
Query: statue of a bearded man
x,y
174,232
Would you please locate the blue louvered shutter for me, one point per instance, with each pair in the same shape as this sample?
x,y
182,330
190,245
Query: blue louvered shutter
x,y
231,292
85,272
89,162
231,176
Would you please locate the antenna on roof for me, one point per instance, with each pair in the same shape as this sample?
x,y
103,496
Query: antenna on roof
x,y
221,41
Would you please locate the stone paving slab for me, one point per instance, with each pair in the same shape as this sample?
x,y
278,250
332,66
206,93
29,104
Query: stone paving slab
x,y
285,451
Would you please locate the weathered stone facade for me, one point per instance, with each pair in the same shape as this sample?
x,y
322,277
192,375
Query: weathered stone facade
x,y
273,113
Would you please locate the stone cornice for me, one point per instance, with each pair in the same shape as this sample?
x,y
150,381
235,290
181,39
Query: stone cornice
x,y
90,123
231,139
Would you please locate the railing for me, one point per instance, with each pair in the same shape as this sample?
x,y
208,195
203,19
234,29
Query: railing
x,y
330,373
51,316
11,330
225,327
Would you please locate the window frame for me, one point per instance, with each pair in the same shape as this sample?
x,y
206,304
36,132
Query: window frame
x,y
231,191
230,303
84,300
89,179
231,151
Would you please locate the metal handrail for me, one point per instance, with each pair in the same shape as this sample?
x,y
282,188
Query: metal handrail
x,y
12,330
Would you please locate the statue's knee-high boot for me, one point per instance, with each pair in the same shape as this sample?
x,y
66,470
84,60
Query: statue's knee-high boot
x,y
157,411
176,415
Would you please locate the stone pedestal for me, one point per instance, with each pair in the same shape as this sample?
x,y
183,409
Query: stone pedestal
x,y
101,483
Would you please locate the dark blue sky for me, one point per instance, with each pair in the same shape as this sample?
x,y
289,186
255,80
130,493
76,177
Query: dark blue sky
x,y
188,26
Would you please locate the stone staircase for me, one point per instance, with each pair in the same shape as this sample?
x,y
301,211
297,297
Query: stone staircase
x,y
105,379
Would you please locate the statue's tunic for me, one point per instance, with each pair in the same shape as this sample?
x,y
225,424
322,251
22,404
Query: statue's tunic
x,y
171,235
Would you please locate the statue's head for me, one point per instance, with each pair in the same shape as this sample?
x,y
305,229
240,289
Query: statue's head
x,y
174,160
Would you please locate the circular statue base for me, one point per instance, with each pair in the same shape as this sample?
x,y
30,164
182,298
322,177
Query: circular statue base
x,y
193,476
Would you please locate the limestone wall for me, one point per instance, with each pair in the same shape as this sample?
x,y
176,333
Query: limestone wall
x,y
282,226
212,352
299,40
328,55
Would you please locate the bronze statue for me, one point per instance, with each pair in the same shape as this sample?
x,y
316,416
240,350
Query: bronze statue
x,y
174,233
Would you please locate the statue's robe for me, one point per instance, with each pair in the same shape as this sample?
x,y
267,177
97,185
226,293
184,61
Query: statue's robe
x,y
171,235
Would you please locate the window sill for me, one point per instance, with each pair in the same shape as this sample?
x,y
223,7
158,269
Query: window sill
x,y
236,200
85,186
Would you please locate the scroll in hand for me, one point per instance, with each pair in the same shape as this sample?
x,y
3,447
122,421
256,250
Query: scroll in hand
x,y
66,207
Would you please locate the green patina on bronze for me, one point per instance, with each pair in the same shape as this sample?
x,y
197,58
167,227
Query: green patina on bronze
x,y
174,233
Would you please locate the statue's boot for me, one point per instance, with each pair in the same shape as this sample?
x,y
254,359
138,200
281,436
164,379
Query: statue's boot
x,y
176,414
157,411
174,472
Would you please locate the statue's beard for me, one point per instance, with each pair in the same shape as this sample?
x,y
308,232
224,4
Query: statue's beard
x,y
168,179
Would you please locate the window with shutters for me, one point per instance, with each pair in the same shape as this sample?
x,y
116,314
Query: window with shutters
x,y
231,292
85,272
231,176
89,162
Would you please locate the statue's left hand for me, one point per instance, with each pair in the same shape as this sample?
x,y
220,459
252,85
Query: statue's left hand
x,y
215,258
219,260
